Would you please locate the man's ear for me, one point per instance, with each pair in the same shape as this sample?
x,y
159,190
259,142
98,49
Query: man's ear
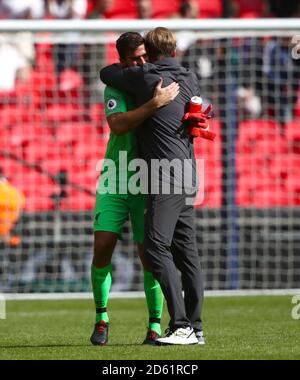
x,y
173,54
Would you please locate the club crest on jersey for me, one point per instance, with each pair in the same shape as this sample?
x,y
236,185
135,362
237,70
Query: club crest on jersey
x,y
111,104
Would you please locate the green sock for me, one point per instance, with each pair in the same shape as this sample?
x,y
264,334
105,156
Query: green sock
x,y
155,301
101,282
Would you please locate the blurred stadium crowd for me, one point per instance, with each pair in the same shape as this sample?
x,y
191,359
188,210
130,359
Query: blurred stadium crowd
x,y
131,9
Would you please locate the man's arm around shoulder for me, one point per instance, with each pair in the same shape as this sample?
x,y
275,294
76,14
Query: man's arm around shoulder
x,y
122,78
122,122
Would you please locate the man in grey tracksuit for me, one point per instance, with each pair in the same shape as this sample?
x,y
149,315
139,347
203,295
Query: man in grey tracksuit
x,y
170,237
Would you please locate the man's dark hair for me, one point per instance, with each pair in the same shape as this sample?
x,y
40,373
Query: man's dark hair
x,y
128,42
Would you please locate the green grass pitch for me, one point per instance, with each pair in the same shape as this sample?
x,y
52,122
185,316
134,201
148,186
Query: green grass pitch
x,y
235,328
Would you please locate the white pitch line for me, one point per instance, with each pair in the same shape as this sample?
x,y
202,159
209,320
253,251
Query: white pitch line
x,y
88,296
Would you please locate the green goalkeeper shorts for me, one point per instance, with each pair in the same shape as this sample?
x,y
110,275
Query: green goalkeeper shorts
x,y
112,211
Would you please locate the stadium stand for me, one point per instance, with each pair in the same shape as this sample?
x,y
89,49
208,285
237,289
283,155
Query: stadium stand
x,y
251,9
122,9
258,141
210,9
165,9
211,153
54,126
53,132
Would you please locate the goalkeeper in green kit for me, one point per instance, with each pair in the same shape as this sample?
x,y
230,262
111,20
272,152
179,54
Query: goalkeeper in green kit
x,y
112,209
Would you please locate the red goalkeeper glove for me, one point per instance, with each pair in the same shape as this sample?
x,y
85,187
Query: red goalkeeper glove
x,y
197,123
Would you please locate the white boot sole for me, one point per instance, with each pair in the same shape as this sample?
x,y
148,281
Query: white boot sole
x,y
180,343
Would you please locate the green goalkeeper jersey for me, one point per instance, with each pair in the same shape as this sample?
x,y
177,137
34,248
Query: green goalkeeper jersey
x,y
119,101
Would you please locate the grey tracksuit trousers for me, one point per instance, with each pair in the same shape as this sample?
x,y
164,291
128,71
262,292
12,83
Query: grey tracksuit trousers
x,y
170,245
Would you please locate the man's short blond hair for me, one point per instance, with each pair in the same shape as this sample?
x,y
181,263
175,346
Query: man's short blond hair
x,y
160,42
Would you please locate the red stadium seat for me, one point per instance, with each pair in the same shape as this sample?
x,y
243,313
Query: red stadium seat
x,y
261,149
294,163
37,187
39,190
211,153
44,57
77,201
75,132
84,173
210,9
269,197
165,9
286,168
23,133
292,130
248,163
252,131
249,129
250,9
36,203
32,95
97,113
285,165
39,89
42,80
97,117
90,6
8,97
11,168
94,151
212,199
122,9
271,145
5,136
88,175
297,106
262,189
53,166
267,183
293,189
37,150
244,191
15,114
69,80
59,113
